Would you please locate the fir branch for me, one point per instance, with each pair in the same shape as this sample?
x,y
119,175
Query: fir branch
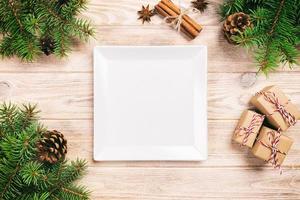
x,y
276,17
24,146
8,113
23,176
33,174
25,24
9,181
12,4
73,172
87,31
74,192
274,35
29,114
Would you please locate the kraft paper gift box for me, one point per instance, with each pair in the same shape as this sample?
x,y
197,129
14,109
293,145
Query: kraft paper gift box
x,y
280,112
272,146
248,128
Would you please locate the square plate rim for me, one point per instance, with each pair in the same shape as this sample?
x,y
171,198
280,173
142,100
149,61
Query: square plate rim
x,y
199,153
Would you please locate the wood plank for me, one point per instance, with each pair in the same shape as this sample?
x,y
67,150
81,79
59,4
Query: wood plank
x,y
222,56
124,12
59,95
222,151
116,20
191,184
70,95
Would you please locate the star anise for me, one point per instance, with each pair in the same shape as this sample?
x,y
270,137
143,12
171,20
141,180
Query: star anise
x,y
201,5
146,13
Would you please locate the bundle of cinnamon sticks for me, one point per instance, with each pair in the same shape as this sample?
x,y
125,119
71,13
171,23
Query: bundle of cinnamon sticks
x,y
190,27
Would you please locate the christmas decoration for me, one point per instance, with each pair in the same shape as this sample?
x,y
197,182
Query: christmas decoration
x,y
146,13
62,2
52,147
201,5
22,173
236,24
47,45
272,146
30,28
248,128
278,108
275,33
263,130
178,18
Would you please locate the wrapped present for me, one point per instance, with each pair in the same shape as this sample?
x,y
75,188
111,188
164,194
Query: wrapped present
x,y
280,112
272,146
248,128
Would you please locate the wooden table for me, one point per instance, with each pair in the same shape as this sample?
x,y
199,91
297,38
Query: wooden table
x,y
63,90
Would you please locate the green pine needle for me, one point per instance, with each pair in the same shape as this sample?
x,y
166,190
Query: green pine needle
x,y
275,34
23,24
22,175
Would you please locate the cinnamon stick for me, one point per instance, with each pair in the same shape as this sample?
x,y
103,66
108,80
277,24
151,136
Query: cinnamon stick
x,y
189,20
165,14
188,27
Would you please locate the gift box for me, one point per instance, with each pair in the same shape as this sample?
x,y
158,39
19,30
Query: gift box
x,y
280,112
272,146
248,128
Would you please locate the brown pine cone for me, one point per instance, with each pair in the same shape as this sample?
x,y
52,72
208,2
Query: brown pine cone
x,y
52,147
47,45
235,24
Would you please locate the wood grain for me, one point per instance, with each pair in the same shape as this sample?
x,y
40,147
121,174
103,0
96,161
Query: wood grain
x,y
117,19
222,151
190,183
68,95
63,90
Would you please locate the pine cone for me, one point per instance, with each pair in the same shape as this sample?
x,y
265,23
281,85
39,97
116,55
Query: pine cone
x,y
47,45
235,24
62,2
52,147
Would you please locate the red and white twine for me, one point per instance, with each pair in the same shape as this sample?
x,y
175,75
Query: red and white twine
x,y
255,122
274,138
272,98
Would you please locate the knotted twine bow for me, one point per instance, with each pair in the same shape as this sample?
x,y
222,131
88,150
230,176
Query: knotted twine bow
x,y
271,97
176,21
256,121
274,138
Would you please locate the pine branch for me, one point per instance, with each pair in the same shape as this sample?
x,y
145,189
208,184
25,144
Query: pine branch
x,y
23,176
8,113
34,196
33,174
74,192
24,147
274,35
9,181
73,171
274,24
25,24
28,115
78,24
13,9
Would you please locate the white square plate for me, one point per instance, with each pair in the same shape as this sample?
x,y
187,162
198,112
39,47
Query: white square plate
x,y
150,103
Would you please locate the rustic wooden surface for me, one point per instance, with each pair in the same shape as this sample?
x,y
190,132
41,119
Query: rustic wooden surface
x,y
63,90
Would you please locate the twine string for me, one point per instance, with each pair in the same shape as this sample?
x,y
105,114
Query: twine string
x,y
247,131
280,108
176,21
274,138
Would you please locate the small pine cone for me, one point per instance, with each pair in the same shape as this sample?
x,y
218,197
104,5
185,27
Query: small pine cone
x,y
52,147
47,45
235,24
62,2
